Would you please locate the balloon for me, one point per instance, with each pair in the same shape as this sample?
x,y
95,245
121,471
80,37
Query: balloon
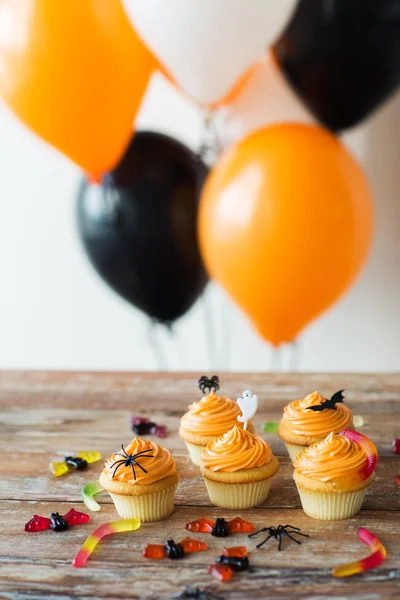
x,y
207,45
285,224
139,227
342,57
75,73
266,98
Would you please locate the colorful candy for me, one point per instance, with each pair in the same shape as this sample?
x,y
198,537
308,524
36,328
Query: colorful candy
x,y
143,426
90,544
270,426
172,550
396,445
397,480
377,556
56,521
88,491
221,527
372,457
78,462
232,560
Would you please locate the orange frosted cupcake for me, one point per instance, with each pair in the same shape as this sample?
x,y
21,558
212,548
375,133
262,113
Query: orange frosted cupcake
x,y
238,469
208,419
142,480
305,422
333,476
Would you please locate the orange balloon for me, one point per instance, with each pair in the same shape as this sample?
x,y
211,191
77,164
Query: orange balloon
x,y
75,73
285,225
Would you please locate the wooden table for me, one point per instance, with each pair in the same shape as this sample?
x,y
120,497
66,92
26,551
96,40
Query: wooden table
x,y
45,415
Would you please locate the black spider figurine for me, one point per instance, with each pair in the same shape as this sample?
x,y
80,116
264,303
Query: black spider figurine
x,y
278,533
207,384
129,460
196,594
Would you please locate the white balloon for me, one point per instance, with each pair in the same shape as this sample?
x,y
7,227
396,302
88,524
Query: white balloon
x,y
206,45
265,99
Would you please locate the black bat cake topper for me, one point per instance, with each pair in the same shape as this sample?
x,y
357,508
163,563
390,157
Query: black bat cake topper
x,y
206,383
336,398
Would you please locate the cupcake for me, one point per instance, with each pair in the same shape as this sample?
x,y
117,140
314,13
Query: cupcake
x,y
141,480
238,469
208,419
305,422
333,476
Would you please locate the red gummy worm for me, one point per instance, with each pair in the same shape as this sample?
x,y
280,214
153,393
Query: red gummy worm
x,y
369,447
377,556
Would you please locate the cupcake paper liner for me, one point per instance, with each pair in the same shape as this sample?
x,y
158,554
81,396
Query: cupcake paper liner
x,y
147,508
331,507
294,450
195,453
238,495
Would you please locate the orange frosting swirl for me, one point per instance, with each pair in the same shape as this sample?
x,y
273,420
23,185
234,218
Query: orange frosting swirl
x,y
336,459
301,421
212,415
237,449
161,465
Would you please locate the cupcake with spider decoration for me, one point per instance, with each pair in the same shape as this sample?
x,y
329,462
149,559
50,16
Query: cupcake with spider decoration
x,y
208,419
333,476
238,467
310,420
141,480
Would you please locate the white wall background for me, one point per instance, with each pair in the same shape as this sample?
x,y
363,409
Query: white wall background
x,y
56,313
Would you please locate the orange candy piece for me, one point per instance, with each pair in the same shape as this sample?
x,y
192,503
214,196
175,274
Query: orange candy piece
x,y
239,525
202,525
221,572
154,551
239,551
191,545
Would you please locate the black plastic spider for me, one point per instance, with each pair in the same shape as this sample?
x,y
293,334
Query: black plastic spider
x,y
196,594
206,383
129,460
278,533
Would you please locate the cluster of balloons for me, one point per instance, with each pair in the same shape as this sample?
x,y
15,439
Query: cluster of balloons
x,y
285,219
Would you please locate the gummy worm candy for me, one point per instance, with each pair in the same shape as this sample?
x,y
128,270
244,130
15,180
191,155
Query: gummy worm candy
x,y
377,556
88,491
121,526
370,450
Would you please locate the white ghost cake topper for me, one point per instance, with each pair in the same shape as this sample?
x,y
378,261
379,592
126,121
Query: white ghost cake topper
x,y
248,404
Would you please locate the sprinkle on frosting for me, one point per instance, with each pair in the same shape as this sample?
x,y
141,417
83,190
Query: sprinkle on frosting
x,y
301,421
213,415
237,449
156,461
336,459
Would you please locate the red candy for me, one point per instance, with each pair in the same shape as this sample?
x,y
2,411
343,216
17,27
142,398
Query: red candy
x,y
239,525
160,431
37,523
73,517
396,446
190,545
202,525
239,551
397,479
221,572
139,420
154,551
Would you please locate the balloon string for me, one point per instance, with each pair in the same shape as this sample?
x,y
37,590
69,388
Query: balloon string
x,y
226,335
294,356
276,359
209,330
154,342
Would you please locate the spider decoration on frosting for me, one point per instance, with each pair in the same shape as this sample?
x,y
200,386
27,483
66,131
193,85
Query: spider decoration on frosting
x,y
208,384
196,594
129,460
278,533
336,398
221,527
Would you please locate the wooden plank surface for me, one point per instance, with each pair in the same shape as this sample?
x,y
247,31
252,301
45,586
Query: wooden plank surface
x,y
45,415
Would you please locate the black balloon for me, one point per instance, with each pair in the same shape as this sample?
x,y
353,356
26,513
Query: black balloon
x,y
139,227
342,57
